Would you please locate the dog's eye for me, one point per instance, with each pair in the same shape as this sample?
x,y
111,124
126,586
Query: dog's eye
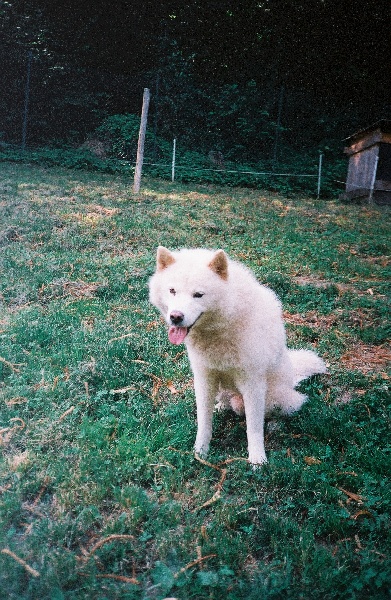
x,y
172,291
198,295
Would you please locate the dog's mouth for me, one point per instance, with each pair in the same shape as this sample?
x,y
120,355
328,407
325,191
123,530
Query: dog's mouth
x,y
177,335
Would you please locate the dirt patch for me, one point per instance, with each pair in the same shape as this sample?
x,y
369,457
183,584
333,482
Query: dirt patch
x,y
383,261
102,210
62,288
341,287
311,319
367,359
312,280
95,213
80,289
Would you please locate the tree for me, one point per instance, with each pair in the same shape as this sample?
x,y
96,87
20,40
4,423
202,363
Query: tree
x,y
198,58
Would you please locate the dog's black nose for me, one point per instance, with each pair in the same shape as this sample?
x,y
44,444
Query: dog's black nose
x,y
176,317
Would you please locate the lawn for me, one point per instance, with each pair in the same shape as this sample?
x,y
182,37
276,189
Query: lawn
x,y
101,496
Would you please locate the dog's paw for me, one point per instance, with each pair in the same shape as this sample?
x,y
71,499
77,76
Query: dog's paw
x,y
220,406
257,459
227,399
237,404
201,448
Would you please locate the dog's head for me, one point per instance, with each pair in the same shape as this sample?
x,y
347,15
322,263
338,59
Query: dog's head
x,y
188,286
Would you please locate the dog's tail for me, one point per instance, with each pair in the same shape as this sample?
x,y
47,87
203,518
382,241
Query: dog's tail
x,y
305,363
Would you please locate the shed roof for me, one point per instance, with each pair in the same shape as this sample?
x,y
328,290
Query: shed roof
x,y
384,125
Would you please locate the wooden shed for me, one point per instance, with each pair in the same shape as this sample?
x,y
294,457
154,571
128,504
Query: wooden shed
x,y
369,171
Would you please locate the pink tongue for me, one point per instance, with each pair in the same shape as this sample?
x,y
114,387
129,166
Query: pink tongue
x,y
176,335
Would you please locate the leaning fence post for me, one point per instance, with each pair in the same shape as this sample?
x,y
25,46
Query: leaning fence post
x,y
141,140
173,160
320,173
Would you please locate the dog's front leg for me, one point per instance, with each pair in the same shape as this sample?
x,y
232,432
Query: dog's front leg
x,y
206,387
254,393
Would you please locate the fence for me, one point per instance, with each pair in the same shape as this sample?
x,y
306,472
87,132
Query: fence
x,y
36,112
216,155
173,167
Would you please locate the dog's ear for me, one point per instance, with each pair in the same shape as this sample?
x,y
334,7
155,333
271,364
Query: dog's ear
x,y
164,258
219,264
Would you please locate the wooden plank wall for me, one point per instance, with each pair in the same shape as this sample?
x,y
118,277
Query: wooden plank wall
x,y
360,170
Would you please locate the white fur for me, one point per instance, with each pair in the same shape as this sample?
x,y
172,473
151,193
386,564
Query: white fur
x,y
236,342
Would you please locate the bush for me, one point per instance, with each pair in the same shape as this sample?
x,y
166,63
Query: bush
x,y
119,134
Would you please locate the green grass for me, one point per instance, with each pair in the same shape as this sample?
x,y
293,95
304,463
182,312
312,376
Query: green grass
x,y
97,415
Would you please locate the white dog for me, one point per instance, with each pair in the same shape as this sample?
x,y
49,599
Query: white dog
x,y
235,337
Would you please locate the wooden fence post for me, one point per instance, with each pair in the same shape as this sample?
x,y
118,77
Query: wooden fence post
x,y
141,140
26,100
173,161
278,127
320,173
